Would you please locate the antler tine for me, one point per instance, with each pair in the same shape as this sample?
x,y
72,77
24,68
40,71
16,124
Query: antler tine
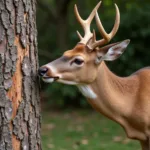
x,y
79,35
100,27
80,20
91,16
106,37
94,35
86,24
117,22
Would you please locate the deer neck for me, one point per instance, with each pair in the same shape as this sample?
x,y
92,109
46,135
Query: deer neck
x,y
111,94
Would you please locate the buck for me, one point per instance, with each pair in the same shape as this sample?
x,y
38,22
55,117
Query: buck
x,y
126,100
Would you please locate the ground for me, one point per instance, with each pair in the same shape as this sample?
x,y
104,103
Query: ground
x,y
82,130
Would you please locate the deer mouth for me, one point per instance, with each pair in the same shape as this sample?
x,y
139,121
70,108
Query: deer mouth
x,y
49,79
58,79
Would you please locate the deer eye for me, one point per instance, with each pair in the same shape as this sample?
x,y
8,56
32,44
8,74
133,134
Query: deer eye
x,y
78,61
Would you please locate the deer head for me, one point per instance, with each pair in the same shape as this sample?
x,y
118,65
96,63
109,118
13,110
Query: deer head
x,y
80,65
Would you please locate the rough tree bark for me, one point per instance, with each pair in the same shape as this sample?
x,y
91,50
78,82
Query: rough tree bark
x,y
19,88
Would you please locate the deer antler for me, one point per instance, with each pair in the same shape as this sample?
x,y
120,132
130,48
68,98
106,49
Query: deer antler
x,y
86,24
93,43
106,37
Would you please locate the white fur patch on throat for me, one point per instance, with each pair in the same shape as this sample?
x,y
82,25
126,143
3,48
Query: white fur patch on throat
x,y
87,91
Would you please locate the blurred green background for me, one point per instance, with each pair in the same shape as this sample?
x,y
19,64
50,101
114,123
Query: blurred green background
x,y
57,27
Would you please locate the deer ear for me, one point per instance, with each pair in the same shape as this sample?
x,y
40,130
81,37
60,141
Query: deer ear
x,y
115,51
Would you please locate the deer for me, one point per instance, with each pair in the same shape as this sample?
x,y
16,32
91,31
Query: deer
x,y
125,100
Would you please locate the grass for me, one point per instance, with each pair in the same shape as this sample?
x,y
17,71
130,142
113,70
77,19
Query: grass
x,y
83,130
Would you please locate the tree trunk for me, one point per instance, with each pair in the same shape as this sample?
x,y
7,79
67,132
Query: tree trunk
x,y
62,23
62,32
19,87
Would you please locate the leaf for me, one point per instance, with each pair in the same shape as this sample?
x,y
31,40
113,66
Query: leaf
x,y
85,142
79,128
50,126
126,141
51,146
117,138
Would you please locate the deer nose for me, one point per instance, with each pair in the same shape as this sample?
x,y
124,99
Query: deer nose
x,y
42,71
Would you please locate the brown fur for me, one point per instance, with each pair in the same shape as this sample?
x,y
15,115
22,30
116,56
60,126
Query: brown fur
x,y
125,100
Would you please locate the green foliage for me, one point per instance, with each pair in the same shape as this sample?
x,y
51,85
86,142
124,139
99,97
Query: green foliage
x,y
135,25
